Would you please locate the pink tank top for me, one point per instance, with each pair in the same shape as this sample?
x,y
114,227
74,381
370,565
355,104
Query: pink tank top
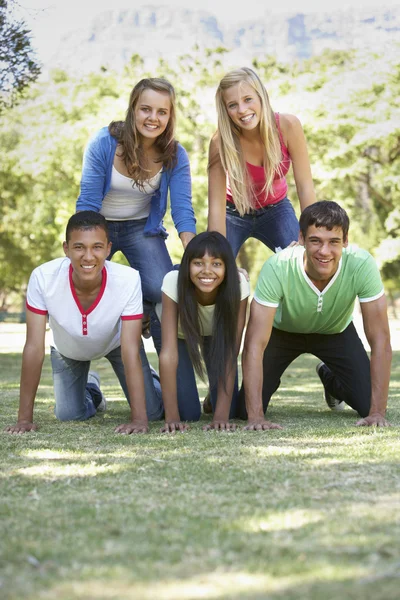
x,y
257,175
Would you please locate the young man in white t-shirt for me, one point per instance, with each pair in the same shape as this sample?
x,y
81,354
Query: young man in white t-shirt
x,y
303,303
94,309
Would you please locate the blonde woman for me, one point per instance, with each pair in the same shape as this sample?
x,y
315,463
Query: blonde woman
x,y
249,157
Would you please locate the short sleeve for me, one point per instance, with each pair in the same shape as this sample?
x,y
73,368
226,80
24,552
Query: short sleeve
x,y
268,289
369,282
134,306
170,285
244,287
35,301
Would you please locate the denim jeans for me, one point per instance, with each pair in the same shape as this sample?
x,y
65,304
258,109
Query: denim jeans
x,y
76,399
149,256
275,226
188,396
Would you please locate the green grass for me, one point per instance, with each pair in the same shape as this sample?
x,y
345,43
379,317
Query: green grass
x,y
309,512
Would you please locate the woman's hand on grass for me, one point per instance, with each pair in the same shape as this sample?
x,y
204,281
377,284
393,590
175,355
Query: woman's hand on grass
x,y
260,425
173,426
133,427
220,425
21,427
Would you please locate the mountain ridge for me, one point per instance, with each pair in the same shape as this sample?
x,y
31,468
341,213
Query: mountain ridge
x,y
154,32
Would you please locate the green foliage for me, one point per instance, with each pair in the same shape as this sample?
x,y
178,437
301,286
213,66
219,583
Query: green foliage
x,y
18,66
347,102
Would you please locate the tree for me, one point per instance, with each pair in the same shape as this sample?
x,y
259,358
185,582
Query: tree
x,y
18,67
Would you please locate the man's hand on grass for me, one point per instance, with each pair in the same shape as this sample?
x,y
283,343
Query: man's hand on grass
x,y
133,427
374,420
260,425
173,426
21,427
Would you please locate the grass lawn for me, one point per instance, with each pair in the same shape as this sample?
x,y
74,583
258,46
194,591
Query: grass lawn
x,y
309,512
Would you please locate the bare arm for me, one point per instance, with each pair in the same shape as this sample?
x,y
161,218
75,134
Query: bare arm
x,y
185,237
32,362
224,396
296,144
131,331
169,365
376,329
216,190
257,337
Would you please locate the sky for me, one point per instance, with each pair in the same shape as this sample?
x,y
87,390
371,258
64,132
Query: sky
x,y
49,20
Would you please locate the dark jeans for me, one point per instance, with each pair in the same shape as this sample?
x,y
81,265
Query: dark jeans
x,y
348,377
188,396
149,256
276,226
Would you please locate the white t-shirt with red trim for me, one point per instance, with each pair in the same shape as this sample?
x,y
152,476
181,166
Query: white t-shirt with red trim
x,y
85,334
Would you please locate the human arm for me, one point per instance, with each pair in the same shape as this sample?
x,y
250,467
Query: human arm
x,y
257,337
32,362
224,394
376,329
97,163
169,365
131,330
216,190
297,146
180,190
185,237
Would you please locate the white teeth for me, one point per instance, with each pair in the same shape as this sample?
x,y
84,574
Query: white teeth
x,y
87,267
151,126
206,280
247,119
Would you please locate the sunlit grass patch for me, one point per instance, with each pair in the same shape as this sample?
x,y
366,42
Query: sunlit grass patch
x,y
309,512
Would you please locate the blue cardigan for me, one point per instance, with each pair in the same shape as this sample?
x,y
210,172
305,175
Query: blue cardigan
x,y
96,179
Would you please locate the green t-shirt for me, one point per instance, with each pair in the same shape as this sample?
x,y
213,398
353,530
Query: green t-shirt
x,y
301,307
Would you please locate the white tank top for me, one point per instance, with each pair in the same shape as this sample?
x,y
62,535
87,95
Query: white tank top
x,y
125,200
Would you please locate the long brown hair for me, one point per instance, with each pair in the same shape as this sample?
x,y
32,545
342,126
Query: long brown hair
x,y
129,139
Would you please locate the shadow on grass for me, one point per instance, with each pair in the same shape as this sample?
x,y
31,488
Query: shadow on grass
x,y
308,512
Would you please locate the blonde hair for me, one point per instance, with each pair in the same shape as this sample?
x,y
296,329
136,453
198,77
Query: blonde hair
x,y
128,137
229,143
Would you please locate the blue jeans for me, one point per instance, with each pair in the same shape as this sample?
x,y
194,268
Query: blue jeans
x,y
149,256
188,396
76,400
275,226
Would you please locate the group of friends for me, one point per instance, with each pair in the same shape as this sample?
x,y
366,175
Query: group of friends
x,y
196,311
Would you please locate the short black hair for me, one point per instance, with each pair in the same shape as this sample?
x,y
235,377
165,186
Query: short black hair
x,y
86,219
324,213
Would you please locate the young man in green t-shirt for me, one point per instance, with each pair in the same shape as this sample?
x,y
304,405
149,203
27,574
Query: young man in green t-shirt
x,y
303,303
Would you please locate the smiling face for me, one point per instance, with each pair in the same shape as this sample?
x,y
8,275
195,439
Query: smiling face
x,y
206,274
152,113
87,250
323,251
243,106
